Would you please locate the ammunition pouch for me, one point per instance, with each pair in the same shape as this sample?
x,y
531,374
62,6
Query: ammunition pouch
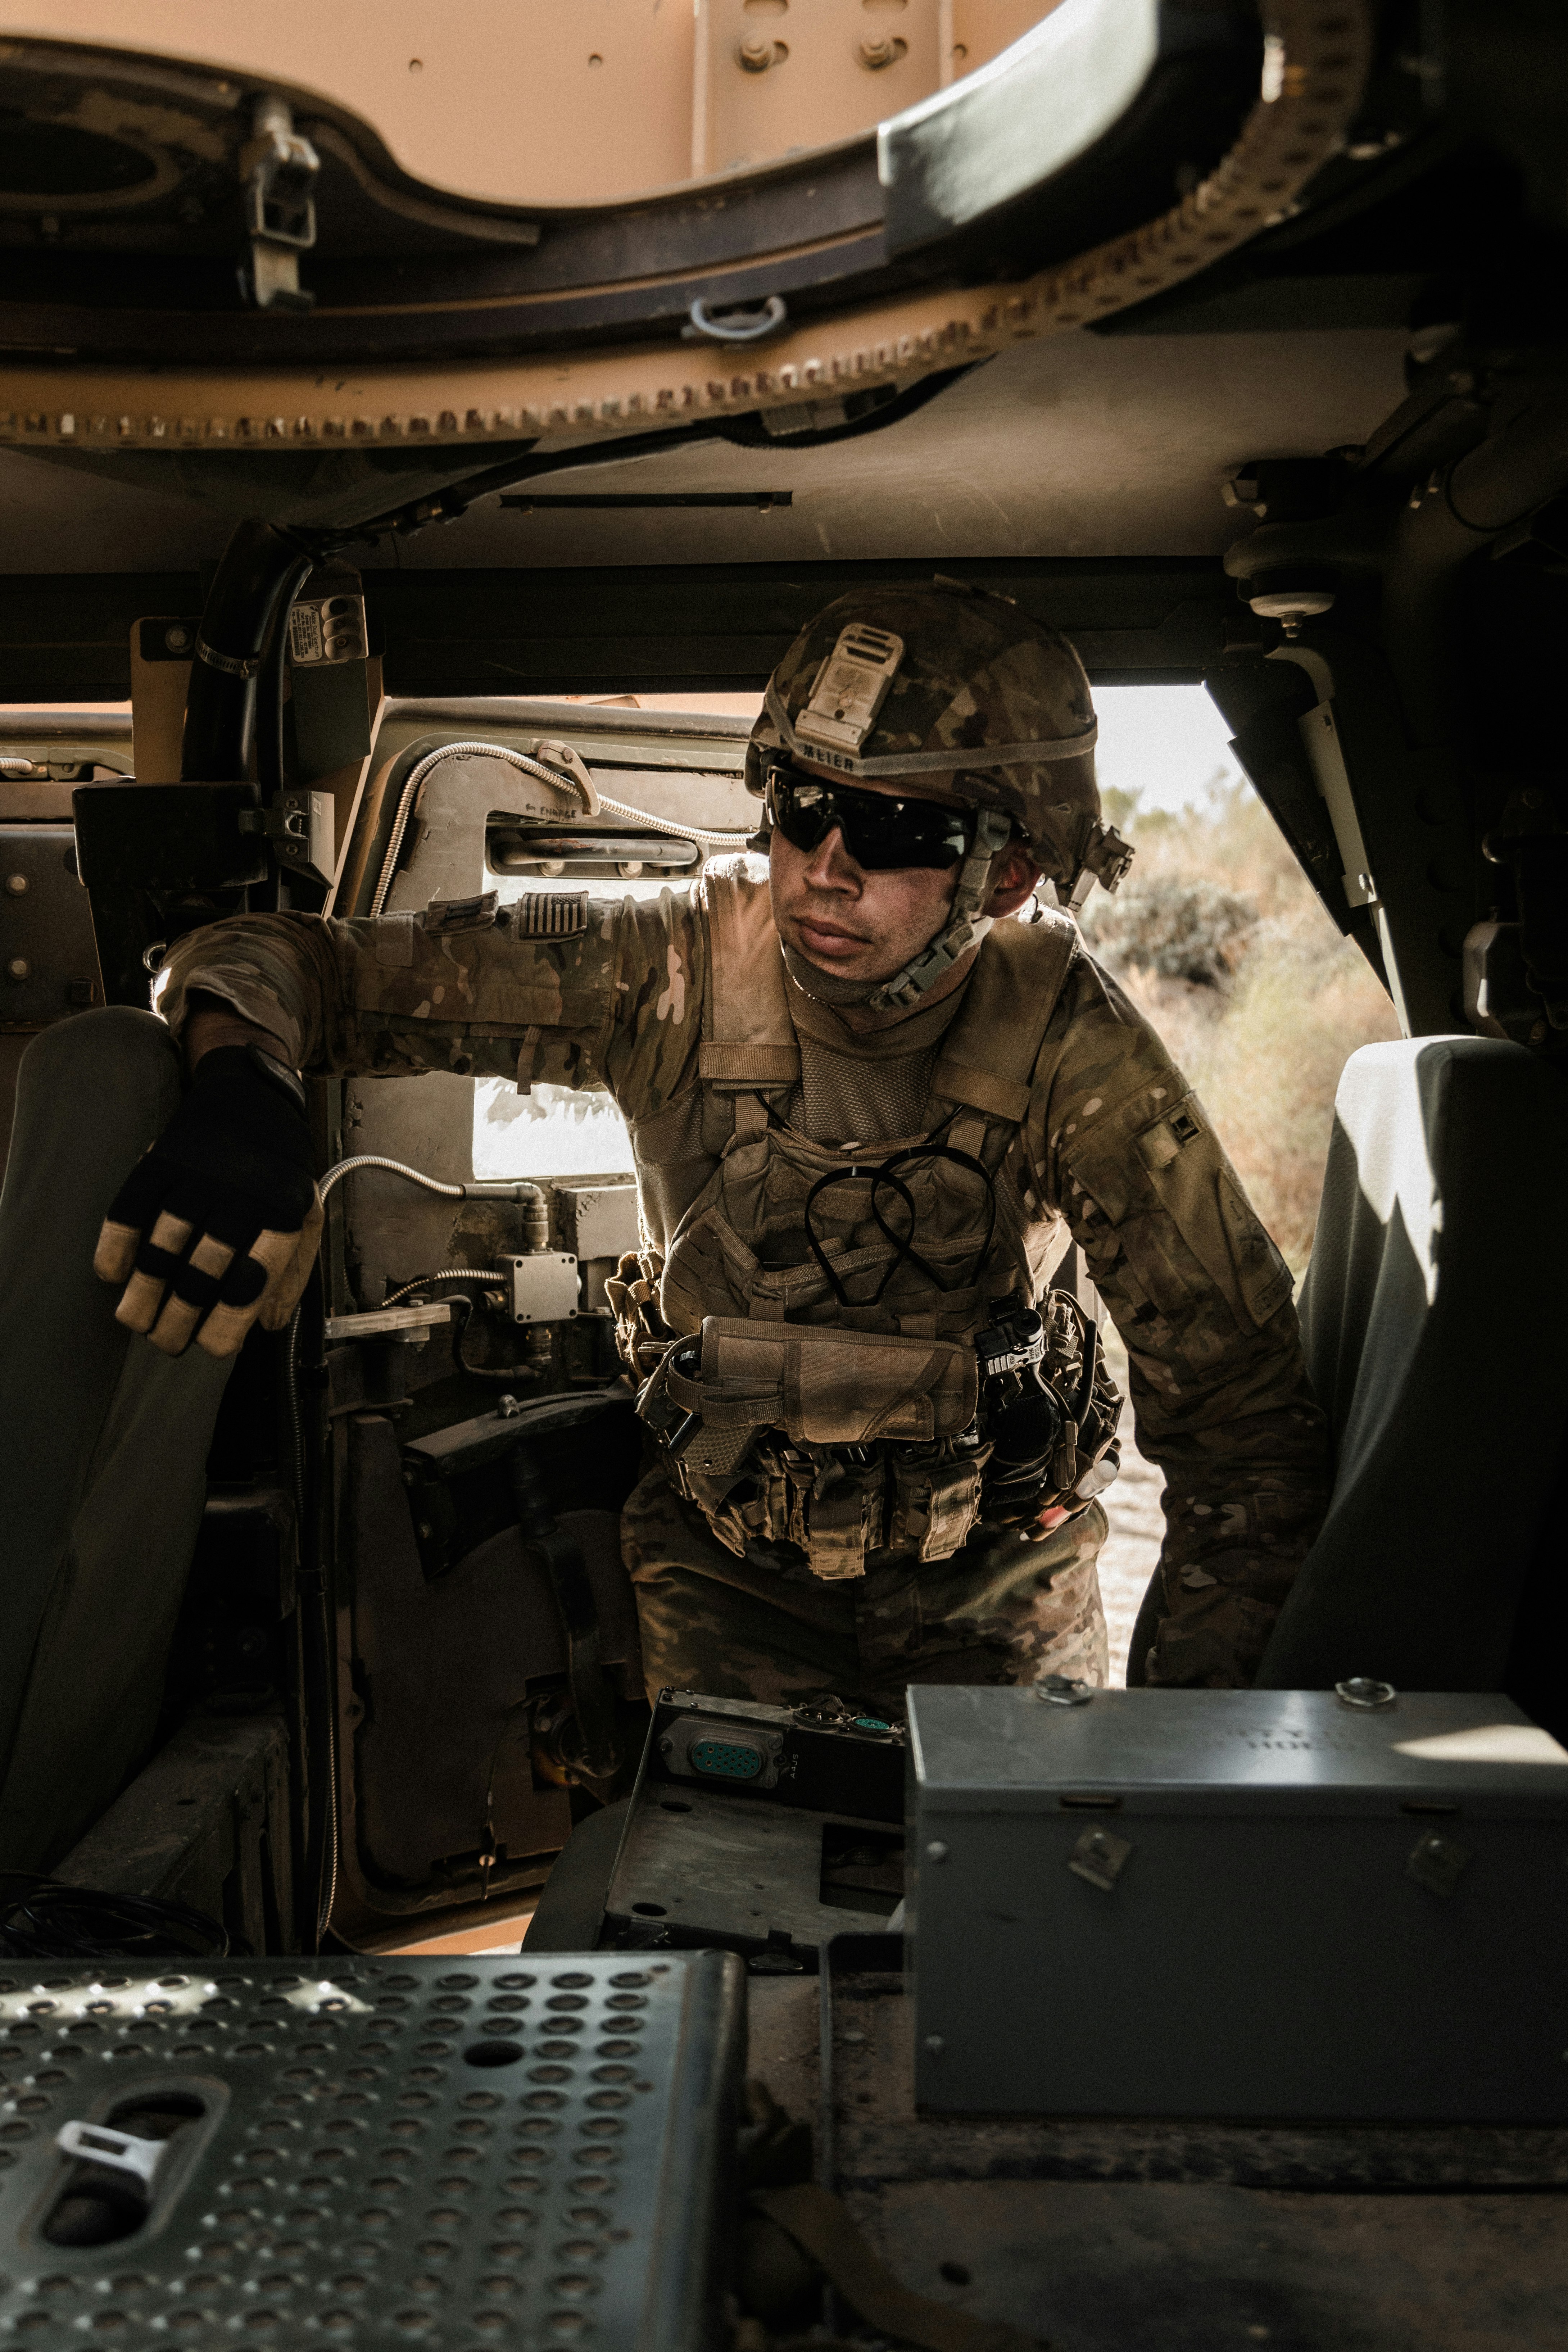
x,y
838,1441
843,1442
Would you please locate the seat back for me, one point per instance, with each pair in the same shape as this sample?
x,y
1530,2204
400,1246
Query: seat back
x,y
1435,1316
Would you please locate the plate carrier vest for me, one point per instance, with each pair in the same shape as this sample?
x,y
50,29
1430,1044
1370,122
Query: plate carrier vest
x,y
826,1397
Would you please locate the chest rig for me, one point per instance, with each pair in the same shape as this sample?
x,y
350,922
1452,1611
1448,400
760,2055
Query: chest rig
x,y
821,1385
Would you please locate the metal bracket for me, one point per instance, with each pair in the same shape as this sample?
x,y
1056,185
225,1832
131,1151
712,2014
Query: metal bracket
x,y
302,825
1325,754
1437,1863
118,2151
1099,1857
279,170
410,1323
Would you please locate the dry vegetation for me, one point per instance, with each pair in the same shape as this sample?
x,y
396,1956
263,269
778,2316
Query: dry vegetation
x,y
1220,940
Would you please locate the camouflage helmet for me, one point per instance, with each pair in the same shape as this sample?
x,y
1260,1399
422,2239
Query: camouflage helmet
x,y
976,676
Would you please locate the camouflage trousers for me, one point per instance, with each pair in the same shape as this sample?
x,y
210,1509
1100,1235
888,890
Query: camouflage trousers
x,y
1002,1610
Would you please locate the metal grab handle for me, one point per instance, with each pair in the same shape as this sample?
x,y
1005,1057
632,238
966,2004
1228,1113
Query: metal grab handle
x,y
738,326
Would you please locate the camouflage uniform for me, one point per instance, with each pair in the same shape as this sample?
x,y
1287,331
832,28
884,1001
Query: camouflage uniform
x,y
1112,1150
1006,1609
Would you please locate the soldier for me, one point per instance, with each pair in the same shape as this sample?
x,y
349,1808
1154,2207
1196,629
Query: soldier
x,y
868,1114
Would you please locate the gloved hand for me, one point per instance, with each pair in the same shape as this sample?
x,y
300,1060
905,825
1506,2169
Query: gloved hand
x,y
219,1222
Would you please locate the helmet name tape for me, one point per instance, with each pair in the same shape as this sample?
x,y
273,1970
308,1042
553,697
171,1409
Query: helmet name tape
x,y
851,686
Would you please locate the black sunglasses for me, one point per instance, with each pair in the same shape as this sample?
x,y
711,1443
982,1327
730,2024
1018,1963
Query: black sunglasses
x,y
880,834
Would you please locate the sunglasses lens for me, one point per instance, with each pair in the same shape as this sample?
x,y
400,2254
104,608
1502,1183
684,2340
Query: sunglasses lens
x,y
803,810
880,834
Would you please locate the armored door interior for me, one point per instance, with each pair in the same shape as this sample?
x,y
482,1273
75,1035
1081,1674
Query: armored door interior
x,y
467,1387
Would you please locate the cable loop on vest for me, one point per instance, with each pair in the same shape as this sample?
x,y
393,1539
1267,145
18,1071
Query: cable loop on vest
x,y
902,1244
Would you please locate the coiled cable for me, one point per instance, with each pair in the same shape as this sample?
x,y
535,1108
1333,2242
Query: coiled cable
x,y
46,1920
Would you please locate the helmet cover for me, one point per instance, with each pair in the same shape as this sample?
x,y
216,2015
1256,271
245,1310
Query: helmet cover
x,y
976,674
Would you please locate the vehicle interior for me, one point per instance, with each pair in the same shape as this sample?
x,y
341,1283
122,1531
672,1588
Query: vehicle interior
x,y
508,378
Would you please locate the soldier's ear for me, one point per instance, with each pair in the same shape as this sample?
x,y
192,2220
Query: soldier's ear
x,y
1014,878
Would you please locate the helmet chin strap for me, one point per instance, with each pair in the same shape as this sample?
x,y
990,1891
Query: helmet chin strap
x,y
826,987
966,926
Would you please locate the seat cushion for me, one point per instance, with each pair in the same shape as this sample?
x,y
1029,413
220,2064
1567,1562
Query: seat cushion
x,y
1435,1315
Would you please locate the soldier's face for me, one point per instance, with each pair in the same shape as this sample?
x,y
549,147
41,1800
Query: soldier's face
x,y
866,926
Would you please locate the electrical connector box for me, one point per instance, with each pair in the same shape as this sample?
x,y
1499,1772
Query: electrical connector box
x,y
542,1287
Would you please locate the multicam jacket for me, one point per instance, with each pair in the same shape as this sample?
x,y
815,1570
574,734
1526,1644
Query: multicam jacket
x,y
1106,1144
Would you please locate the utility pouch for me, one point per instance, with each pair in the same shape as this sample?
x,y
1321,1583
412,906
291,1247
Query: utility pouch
x,y
785,1432
823,1385
933,1503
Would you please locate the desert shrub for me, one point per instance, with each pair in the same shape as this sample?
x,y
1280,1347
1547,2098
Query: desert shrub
x,y
1182,929
1264,1029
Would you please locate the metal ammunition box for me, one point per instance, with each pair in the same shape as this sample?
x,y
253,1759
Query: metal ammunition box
x,y
1251,1904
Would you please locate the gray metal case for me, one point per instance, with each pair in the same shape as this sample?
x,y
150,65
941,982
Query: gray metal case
x,y
1249,1904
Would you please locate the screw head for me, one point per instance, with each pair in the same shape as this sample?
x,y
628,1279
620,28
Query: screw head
x,y
176,638
15,884
18,967
936,1851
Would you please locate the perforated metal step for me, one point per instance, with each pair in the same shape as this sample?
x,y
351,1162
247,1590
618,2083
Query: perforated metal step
x,y
399,2154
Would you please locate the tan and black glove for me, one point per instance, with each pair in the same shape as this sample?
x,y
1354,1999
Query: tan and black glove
x,y
217,1226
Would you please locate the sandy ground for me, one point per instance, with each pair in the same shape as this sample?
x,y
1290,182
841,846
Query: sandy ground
x,y
1132,1547
1137,1521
